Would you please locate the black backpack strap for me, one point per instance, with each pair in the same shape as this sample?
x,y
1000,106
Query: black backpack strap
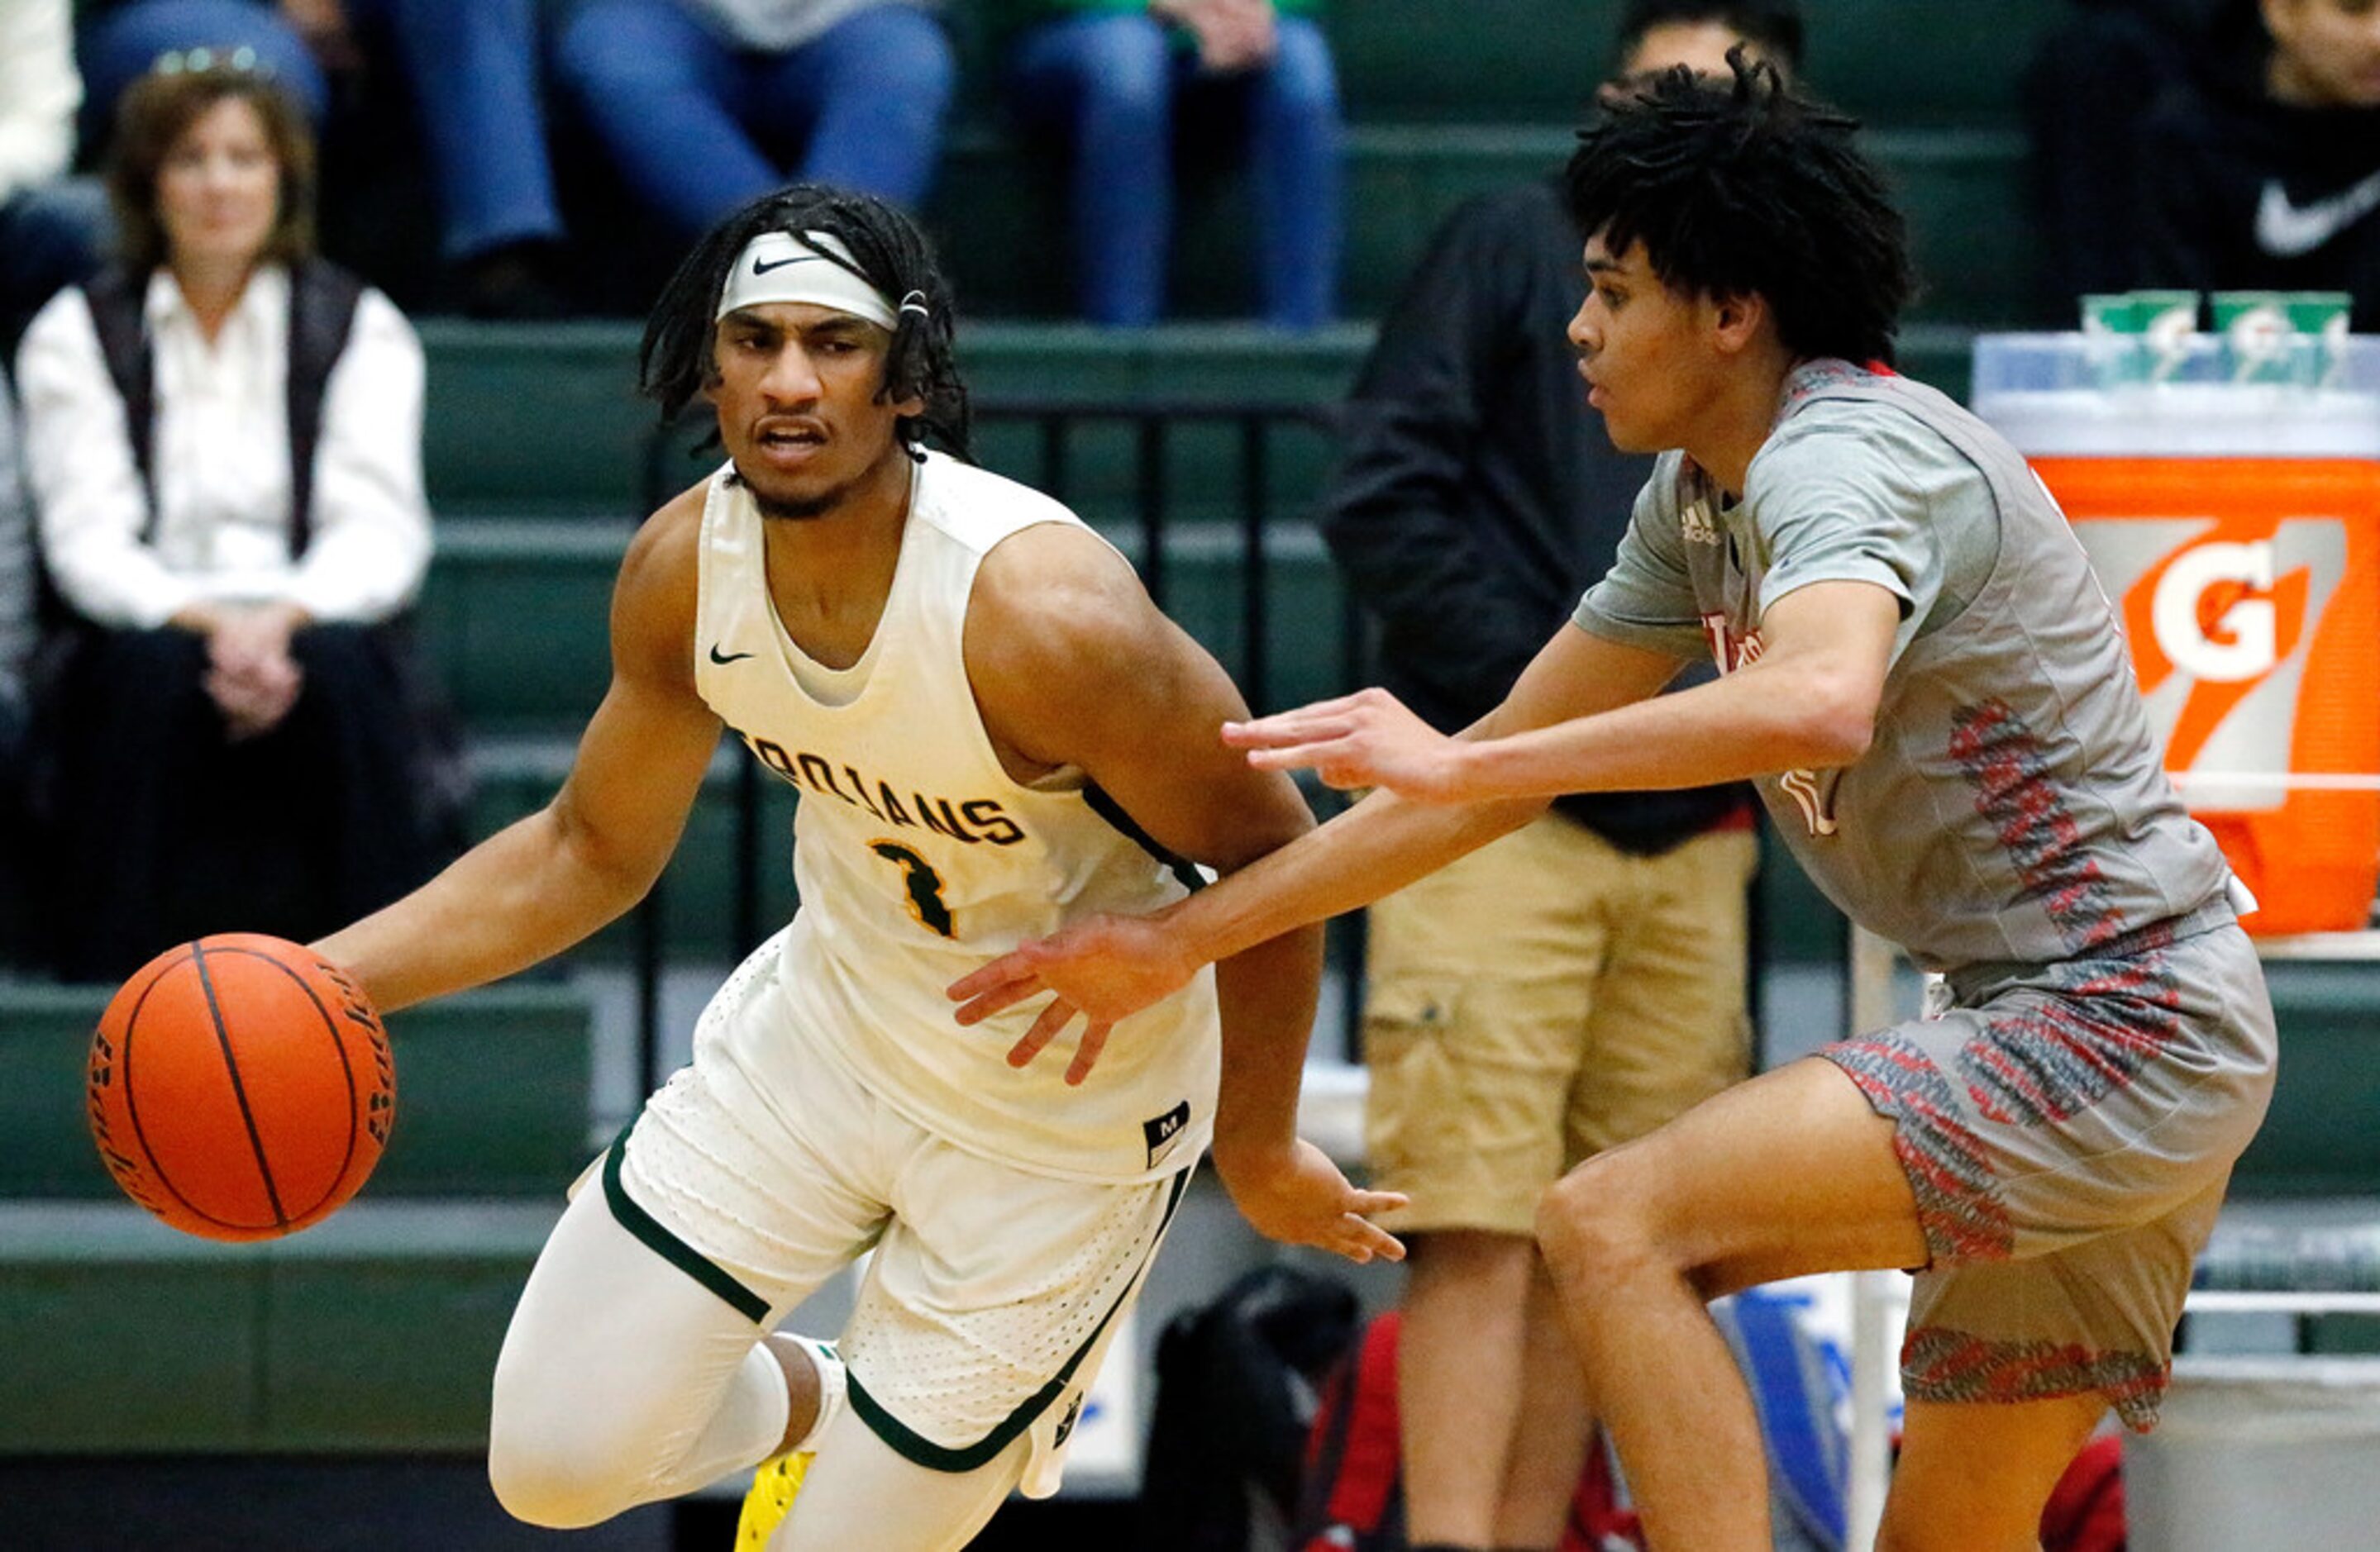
x,y
116,298
323,299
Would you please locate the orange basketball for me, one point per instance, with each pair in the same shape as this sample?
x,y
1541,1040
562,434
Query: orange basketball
x,y
240,1087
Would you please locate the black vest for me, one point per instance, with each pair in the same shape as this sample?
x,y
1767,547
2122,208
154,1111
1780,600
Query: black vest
x,y
322,300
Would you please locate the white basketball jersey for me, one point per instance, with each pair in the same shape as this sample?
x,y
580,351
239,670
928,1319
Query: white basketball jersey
x,y
918,857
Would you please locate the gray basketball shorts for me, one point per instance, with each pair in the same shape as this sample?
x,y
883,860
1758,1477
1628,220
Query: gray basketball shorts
x,y
2068,1130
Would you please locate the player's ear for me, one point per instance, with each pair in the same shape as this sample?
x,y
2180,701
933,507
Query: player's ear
x,y
1736,319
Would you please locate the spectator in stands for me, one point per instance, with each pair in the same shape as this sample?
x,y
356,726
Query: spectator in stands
x,y
707,103
2211,143
223,444
1112,76
2264,173
472,69
2091,84
1582,980
50,224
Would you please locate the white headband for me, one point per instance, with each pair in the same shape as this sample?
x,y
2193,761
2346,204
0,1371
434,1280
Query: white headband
x,y
781,267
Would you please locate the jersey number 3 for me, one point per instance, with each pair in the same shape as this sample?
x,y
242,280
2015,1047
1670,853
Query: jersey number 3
x,y
924,886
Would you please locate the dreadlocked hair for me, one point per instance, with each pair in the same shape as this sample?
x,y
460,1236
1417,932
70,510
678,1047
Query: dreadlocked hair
x,y
678,359
1741,187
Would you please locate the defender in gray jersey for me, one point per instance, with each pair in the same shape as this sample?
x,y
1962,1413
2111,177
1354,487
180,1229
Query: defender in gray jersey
x,y
1929,689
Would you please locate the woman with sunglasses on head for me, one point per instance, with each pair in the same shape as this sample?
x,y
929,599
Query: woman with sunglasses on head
x,y
223,447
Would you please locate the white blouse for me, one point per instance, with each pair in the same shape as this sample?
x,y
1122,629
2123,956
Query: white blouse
x,y
221,463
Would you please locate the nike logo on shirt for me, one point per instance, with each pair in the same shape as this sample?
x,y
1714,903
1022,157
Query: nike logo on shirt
x,y
2291,231
722,658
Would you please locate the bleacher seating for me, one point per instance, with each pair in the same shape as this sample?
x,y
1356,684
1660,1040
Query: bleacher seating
x,y
375,1330
1524,61
492,1094
2319,1139
1962,188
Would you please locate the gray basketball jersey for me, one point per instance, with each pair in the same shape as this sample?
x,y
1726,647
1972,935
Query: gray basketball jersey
x,y
2013,806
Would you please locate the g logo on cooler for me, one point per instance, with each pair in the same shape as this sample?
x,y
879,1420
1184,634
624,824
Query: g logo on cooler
x,y
2240,638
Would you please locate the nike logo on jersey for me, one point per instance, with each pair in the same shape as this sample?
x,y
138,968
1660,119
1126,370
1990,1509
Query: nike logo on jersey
x,y
725,658
2291,231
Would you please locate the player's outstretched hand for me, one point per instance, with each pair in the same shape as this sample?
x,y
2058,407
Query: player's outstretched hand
x,y
1103,968
1300,1197
1368,739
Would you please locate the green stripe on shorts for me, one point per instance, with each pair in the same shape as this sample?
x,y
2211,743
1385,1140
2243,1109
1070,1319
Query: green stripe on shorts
x,y
668,1247
942,1458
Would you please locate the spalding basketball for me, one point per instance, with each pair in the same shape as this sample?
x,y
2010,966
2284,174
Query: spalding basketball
x,y
240,1087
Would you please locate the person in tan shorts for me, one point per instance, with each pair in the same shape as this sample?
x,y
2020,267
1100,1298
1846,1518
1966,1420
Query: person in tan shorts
x,y
1547,997
1578,983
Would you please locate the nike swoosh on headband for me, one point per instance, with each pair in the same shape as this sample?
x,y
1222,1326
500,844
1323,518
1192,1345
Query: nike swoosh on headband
x,y
762,266
2287,230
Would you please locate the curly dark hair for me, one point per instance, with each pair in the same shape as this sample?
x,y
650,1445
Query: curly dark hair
x,y
677,360
1737,187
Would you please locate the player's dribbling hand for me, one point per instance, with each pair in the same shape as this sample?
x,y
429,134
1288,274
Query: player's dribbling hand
x,y
1103,968
1368,739
1301,1197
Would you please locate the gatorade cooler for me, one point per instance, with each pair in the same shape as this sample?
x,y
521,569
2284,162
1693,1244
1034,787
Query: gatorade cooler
x,y
2236,527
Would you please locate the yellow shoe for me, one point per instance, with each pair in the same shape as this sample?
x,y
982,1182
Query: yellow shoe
x,y
774,1482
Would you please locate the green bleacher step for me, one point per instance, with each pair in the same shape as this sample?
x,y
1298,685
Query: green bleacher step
x,y
1962,188
2318,1139
528,421
479,469
492,1093
515,616
375,1330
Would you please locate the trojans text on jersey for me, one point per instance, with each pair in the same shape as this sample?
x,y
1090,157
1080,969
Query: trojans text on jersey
x,y
968,819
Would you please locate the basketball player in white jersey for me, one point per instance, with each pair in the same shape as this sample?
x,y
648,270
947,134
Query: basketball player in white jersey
x,y
993,732
1931,695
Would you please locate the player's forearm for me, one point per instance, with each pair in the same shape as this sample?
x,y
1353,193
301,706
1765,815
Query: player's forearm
x,y
1267,996
521,896
1375,848
1753,722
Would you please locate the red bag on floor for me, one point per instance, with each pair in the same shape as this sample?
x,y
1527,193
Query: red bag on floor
x,y
1350,1501
2085,1512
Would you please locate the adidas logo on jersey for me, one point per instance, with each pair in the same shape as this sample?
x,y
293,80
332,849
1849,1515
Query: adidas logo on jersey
x,y
1695,524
